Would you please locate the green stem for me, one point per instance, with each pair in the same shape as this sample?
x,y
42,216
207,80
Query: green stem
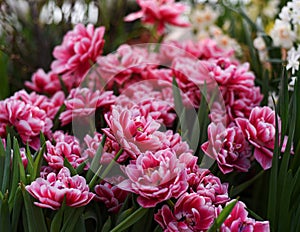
x,y
108,168
95,177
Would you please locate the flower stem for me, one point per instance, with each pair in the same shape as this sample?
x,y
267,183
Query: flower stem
x,y
108,168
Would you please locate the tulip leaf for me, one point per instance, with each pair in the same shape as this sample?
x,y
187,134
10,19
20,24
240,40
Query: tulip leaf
x,y
2,162
38,159
70,167
6,169
30,164
132,219
5,216
34,215
15,174
96,160
124,215
17,208
107,225
71,216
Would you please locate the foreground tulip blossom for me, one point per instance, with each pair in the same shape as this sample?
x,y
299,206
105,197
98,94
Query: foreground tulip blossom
x,y
155,177
112,196
66,146
260,131
208,186
229,147
51,191
159,13
238,221
191,213
135,131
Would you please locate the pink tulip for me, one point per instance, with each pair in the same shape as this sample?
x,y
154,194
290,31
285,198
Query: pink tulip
x,y
133,130
112,196
238,221
109,151
46,83
29,115
260,131
78,51
191,213
207,185
123,67
82,102
155,177
228,147
50,192
153,99
66,146
159,13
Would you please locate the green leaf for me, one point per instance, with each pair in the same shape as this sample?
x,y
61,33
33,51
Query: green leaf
x,y
80,226
144,224
96,160
6,170
71,216
273,188
2,162
124,215
30,165
15,176
57,220
20,163
5,216
107,225
70,167
129,221
222,217
177,98
38,160
34,215
17,208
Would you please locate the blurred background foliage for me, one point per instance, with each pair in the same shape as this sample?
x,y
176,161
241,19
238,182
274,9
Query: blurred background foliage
x,y
30,29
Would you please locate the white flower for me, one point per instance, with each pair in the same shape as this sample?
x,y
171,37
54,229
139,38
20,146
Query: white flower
x,y
271,9
292,84
285,14
293,60
203,18
259,43
282,34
